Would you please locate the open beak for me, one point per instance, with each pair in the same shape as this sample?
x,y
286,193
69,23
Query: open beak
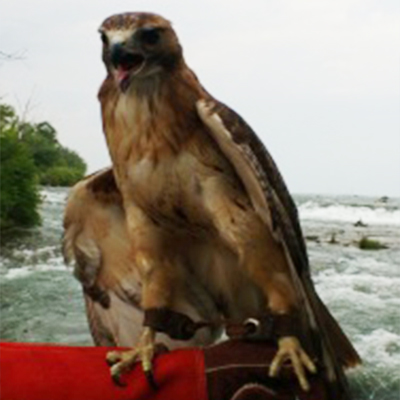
x,y
127,63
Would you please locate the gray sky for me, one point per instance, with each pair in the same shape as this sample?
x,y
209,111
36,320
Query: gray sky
x,y
318,80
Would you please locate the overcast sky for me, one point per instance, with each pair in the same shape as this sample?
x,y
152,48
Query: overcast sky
x,y
318,80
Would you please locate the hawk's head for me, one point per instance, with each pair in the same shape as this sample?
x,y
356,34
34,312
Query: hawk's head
x,y
138,46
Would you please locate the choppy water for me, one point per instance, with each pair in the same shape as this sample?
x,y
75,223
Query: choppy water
x,y
41,302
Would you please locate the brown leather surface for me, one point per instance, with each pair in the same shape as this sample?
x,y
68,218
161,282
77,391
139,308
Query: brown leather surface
x,y
231,365
254,391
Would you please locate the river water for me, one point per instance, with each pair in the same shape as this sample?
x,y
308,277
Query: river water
x,y
40,301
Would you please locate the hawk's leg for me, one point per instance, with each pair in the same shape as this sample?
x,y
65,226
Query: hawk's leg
x,y
123,361
159,279
156,294
263,258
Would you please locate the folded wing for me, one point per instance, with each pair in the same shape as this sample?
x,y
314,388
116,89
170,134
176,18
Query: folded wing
x,y
272,201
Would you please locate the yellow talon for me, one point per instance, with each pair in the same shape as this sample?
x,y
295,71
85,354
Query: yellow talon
x,y
146,364
123,361
290,349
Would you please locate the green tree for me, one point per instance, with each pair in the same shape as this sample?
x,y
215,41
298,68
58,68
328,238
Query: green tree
x,y
69,158
31,155
44,147
8,119
55,165
19,196
60,176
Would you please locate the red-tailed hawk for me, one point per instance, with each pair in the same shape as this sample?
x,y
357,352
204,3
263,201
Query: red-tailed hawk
x,y
96,242
201,193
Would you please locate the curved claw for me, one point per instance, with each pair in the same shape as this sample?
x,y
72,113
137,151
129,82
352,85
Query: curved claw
x,y
290,349
123,361
150,379
117,380
112,357
120,362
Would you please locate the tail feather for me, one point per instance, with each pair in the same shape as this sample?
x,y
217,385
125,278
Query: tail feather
x,y
344,350
333,348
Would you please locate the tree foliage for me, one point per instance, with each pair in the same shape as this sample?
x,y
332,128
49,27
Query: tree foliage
x,y
56,165
31,155
19,195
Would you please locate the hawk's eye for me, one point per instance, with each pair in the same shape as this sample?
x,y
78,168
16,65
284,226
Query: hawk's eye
x,y
104,38
150,36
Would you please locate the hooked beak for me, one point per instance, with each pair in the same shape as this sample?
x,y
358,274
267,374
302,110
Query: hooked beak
x,y
126,63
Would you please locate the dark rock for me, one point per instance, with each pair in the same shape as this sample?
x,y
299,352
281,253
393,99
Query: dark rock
x,y
360,224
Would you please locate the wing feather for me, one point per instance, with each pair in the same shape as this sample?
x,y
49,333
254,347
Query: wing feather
x,y
95,240
259,174
272,201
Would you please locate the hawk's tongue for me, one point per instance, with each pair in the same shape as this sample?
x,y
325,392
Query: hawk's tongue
x,y
122,74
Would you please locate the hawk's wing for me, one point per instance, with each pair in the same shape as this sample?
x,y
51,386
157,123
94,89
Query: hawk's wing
x,y
272,201
95,240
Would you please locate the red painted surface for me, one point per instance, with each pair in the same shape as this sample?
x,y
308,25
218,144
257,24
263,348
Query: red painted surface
x,y
51,372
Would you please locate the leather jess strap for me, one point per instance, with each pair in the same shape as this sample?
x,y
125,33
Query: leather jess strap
x,y
181,327
267,327
175,324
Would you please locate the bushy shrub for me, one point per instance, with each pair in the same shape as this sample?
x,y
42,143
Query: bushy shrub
x,y
19,196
